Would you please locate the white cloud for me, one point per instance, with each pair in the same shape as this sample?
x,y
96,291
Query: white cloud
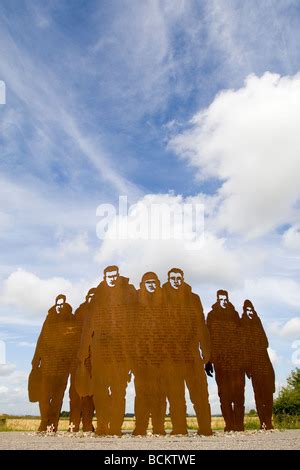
x,y
273,291
33,296
204,262
26,206
28,291
6,369
273,356
14,395
26,344
291,238
73,246
291,328
249,140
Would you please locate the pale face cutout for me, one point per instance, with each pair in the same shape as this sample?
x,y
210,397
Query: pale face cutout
x,y
176,280
151,285
223,301
59,305
250,312
111,278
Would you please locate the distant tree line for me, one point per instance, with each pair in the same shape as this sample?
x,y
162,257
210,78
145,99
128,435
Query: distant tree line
x,y
287,404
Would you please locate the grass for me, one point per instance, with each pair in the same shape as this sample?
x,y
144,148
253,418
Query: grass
x,y
27,424
287,422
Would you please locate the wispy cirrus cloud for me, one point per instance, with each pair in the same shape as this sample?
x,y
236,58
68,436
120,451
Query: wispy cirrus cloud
x,y
39,88
254,36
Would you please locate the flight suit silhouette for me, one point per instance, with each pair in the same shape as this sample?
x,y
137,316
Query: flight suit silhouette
x,y
55,353
81,408
258,365
150,396
189,332
226,355
107,343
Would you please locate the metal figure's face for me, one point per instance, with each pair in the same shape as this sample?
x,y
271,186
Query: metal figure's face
x,y
223,301
151,285
176,280
250,312
59,305
111,278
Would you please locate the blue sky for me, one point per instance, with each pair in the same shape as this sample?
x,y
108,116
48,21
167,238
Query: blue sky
x,y
196,100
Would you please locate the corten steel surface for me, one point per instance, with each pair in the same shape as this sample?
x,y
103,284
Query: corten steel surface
x,y
159,334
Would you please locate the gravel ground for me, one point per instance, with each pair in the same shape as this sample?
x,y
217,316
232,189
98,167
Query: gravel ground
x,y
249,440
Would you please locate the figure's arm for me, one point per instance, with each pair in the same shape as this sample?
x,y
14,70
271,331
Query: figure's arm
x,y
209,365
204,336
264,336
36,360
86,336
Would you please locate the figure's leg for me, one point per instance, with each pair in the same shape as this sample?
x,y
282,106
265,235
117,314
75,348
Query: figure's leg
x,y
223,379
176,395
158,413
269,391
158,416
87,414
268,409
101,395
44,404
75,405
197,385
119,379
238,387
57,400
141,402
258,398
157,401
44,407
102,402
269,388
263,393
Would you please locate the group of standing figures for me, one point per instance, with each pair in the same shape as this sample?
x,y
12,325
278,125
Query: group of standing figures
x,y
160,335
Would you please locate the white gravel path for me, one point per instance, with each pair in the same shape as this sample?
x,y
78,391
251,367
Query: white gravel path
x,y
249,440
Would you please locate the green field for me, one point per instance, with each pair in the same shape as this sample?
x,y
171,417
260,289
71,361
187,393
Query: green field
x,y
13,423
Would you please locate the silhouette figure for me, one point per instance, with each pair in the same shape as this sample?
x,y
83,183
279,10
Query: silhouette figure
x,y
54,359
257,364
224,325
150,398
187,332
159,334
107,348
81,407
